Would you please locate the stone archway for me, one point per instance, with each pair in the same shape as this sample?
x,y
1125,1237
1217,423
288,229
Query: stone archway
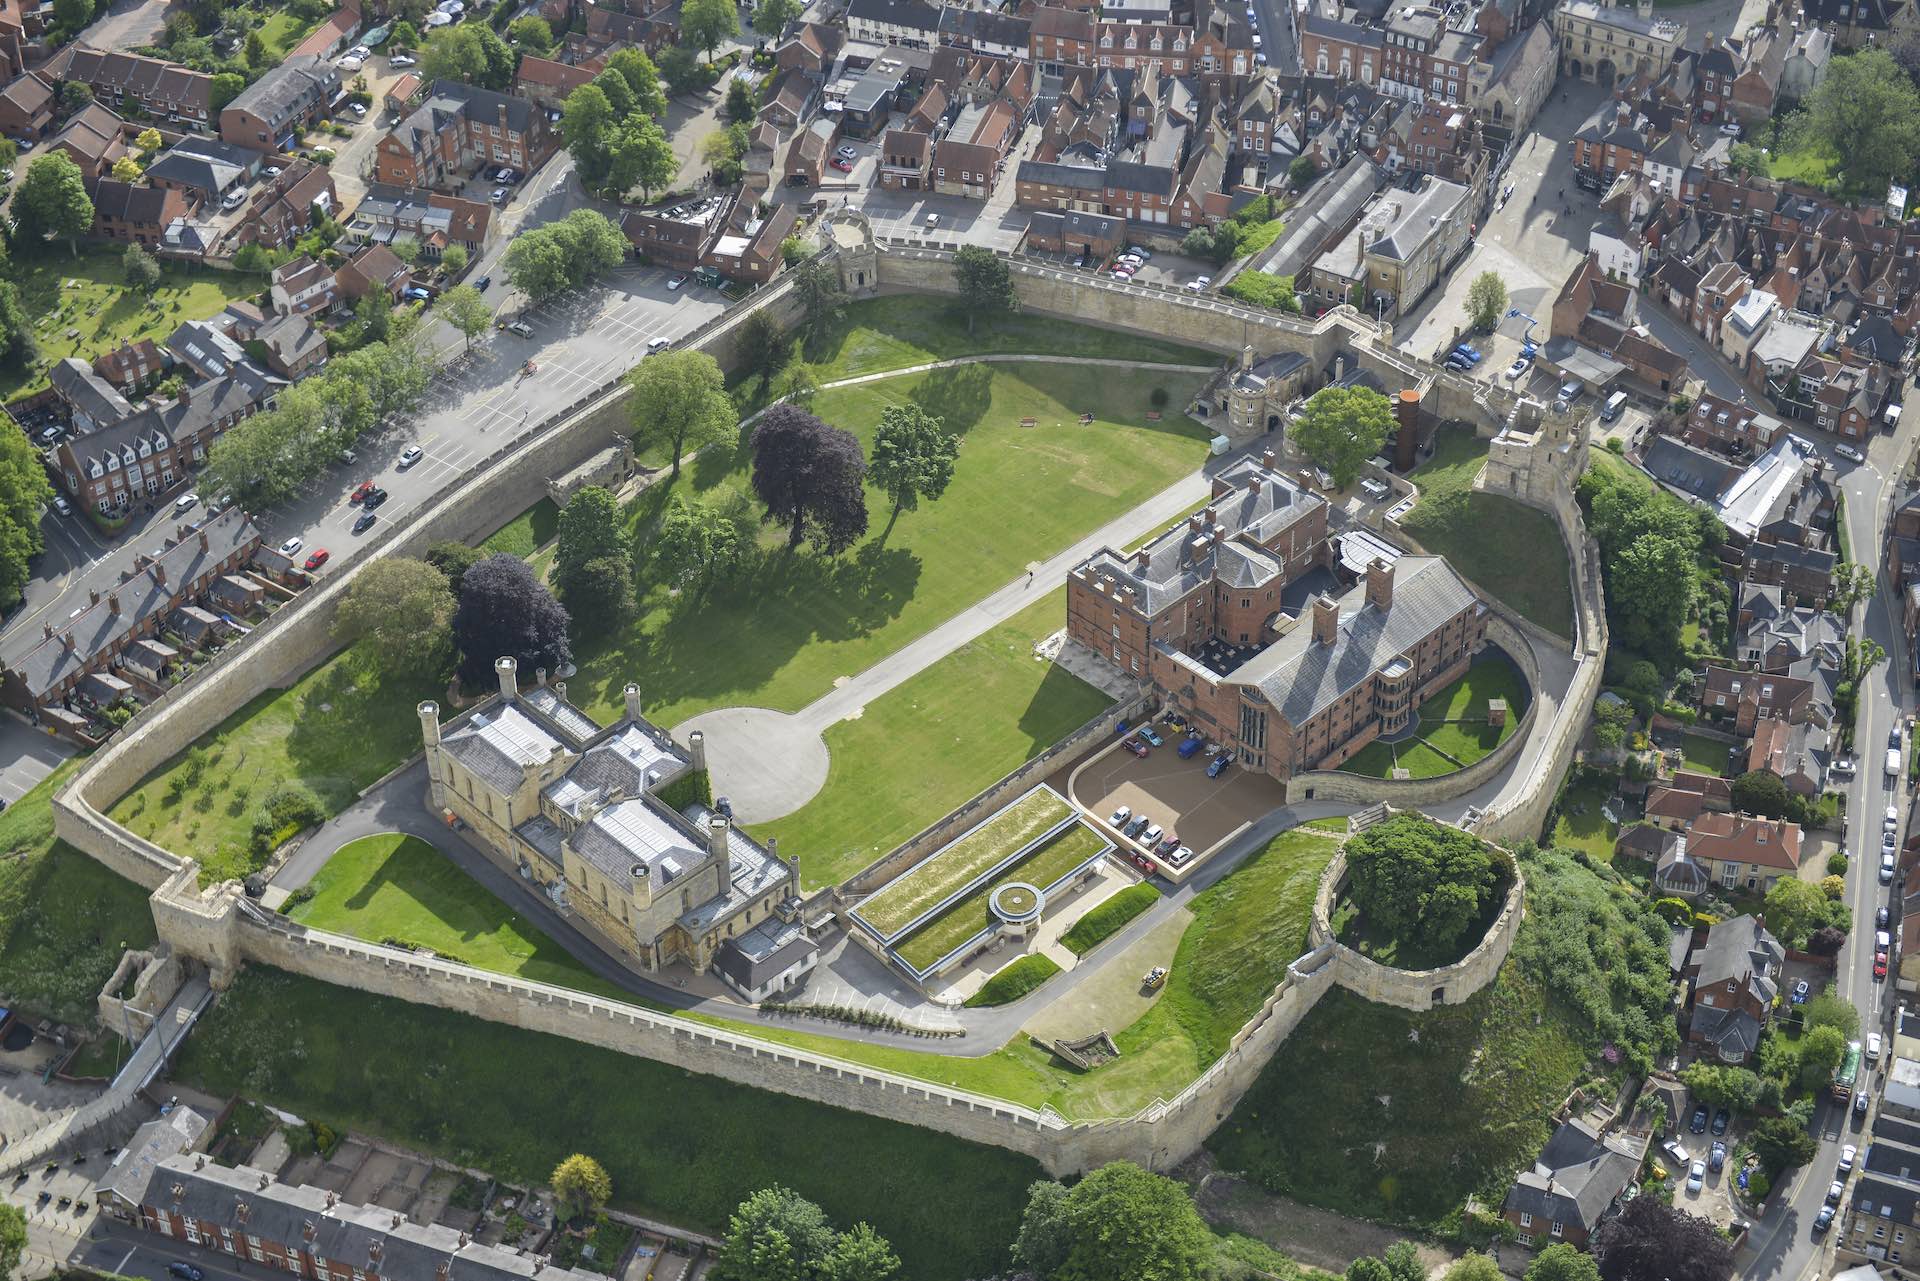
x,y
1603,71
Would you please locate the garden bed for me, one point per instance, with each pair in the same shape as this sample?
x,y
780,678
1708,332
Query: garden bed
x,y
1058,859
957,864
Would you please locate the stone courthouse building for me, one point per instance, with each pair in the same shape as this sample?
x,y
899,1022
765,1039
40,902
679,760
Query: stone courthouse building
x,y
576,808
1240,620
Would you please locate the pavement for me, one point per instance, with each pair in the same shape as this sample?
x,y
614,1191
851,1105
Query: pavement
x,y
768,764
125,25
26,756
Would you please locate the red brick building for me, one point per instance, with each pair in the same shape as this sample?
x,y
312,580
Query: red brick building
x,y
459,131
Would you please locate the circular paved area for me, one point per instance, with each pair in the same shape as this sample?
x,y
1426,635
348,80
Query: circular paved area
x,y
767,763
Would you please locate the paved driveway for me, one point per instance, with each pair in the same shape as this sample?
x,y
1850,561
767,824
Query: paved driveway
x,y
27,755
1177,794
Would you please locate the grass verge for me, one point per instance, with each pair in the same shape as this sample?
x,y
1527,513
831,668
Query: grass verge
x,y
462,1088
1109,918
526,533
1014,981
64,919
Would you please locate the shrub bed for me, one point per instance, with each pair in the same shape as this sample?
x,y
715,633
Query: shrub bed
x,y
1109,918
1014,981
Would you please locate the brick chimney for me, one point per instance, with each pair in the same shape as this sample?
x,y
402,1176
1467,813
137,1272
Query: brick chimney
x,y
46,631
203,540
1406,438
93,597
1267,459
1326,620
159,573
186,394
1380,584
113,603
1142,559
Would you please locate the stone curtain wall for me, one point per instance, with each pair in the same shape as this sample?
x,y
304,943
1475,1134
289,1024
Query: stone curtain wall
x,y
1413,989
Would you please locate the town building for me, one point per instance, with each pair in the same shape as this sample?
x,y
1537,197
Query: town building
x,y
270,113
576,807
1732,980
435,221
1604,43
134,83
1573,1184
1399,250
458,131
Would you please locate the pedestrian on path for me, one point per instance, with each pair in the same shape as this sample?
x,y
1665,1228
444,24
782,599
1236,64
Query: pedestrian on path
x,y
1029,578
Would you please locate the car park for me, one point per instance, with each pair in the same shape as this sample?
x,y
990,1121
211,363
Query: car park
x,y
520,329
1517,370
1167,844
1137,826
365,522
658,344
410,455
1467,353
1849,453
1189,747
292,545
317,557
1696,1176
360,491
1717,1157
1180,856
1721,1120
1676,1154
933,220
1569,392
1151,837
1217,765
1135,746
1200,284
1697,1123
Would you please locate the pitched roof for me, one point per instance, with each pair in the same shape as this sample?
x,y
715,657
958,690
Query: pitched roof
x,y
1575,1178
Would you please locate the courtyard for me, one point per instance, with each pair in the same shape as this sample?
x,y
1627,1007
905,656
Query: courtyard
x,y
1454,729
1177,794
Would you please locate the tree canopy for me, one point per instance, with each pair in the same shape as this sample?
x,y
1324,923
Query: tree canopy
x,y
1562,1262
1413,878
404,609
24,492
1119,1221
778,1235
986,283
913,457
464,309
469,52
581,1184
1486,300
817,288
1866,113
593,560
1340,428
1650,543
705,23
679,402
699,543
505,611
52,200
562,255
1648,1241
810,478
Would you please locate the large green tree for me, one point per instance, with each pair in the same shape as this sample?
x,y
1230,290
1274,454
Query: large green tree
x,y
699,543
13,1238
581,1184
1562,1262
532,34
52,201
1796,908
775,1235
679,401
761,345
913,458
1866,113
24,492
590,526
816,286
642,77
770,17
1340,428
810,477
464,309
404,609
986,283
1760,792
1415,879
705,23
640,155
469,52
1119,1221
1486,300
587,121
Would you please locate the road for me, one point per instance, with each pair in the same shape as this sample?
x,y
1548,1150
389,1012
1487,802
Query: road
x,y
1782,1245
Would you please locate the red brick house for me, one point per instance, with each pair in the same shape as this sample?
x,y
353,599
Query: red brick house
x,y
546,82
459,131
135,214
1744,697
1732,980
165,91
26,107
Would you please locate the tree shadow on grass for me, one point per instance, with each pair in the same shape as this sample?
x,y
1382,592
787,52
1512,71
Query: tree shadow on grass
x,y
1060,704
351,726
958,395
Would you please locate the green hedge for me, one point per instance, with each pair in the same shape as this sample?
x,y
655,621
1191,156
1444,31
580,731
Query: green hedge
x,y
690,788
1107,919
1015,981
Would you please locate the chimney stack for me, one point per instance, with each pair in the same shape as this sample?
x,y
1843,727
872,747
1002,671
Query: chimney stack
x,y
1253,485
186,394
560,688
113,603
717,830
1380,584
159,573
632,693
203,540
430,722
1406,438
540,677
697,750
1267,459
1326,620
504,667
1142,559
93,597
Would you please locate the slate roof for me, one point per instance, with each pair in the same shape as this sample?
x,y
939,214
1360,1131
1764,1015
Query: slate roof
x,y
629,762
361,1236
763,952
499,744
1575,1178
205,164
1737,950
81,386
288,90
179,1131
1302,678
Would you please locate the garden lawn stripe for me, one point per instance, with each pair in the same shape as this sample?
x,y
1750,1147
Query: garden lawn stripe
x,y
973,913
940,874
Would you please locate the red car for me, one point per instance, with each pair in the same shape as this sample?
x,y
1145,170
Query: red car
x,y
1879,965
1135,746
844,166
318,558
1144,863
364,488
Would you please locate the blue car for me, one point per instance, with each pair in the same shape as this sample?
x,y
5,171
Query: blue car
x,y
1467,354
1218,764
1146,732
1188,747
417,294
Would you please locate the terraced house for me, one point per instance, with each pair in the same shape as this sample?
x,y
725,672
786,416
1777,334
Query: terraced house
x,y
1232,617
551,795
132,83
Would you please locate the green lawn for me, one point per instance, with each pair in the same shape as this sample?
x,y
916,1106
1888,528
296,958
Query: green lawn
x,y
1014,980
1508,548
515,1103
797,622
336,730
64,919
1454,719
99,1058
1581,825
1704,755
1378,760
902,330
530,530
395,887
937,740
1109,918
970,915
281,31
1803,166
953,865
97,314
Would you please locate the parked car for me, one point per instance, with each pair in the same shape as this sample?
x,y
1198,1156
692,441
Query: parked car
x,y
415,293
1135,746
360,491
1847,1154
1168,844
1801,991
1879,965
482,283
1717,1157
317,557
1120,816
520,329
1188,746
1697,1123
292,545
1151,837
1835,1191
658,344
1218,764
62,506
1721,1120
1180,856
185,503
1199,284
233,200
1137,826
1468,352
1696,1176
1886,869
1882,918
1823,1220
845,151
1517,370
1849,453
1147,732
677,283
1873,1047
506,175
365,522
1676,1154
401,60
410,455
185,1271
374,498
501,195
1730,129
359,109
843,165
1860,1104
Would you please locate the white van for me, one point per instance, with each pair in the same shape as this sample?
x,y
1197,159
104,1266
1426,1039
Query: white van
x,y
1873,1047
1616,403
1893,762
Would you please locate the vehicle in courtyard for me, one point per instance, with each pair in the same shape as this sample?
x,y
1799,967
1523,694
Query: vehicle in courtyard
x,y
1696,1176
678,283
1180,856
1168,844
1569,392
400,60
520,329
1517,370
1137,826
1218,765
1697,1123
1717,1157
292,545
501,195
1467,351
1800,992
1147,732
1188,746
842,164
1721,1120
316,558
1151,837
1200,284
1156,978
1676,1154
1135,746
1849,453
1120,816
